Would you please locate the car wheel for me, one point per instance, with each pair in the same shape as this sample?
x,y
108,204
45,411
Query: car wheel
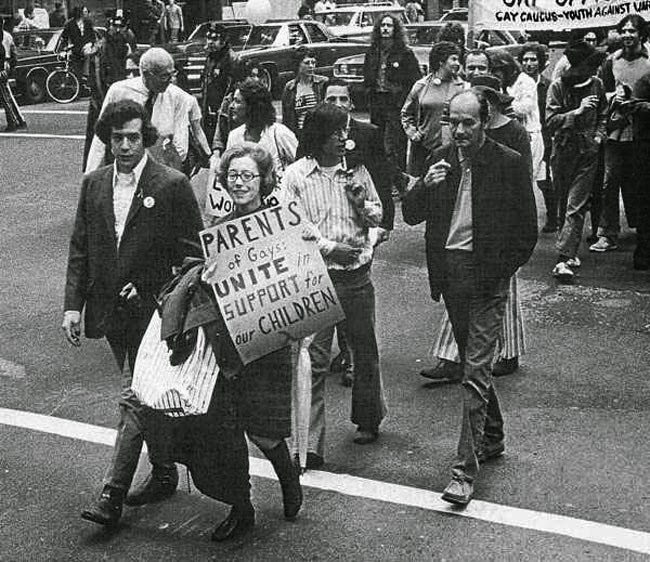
x,y
35,90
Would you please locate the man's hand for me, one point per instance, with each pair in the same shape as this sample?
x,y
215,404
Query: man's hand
x,y
344,254
437,173
588,103
71,326
130,294
356,194
382,236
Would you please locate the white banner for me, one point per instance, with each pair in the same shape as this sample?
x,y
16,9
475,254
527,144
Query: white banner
x,y
271,285
552,14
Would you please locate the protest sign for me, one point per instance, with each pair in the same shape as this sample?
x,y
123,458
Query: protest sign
x,y
551,14
271,285
217,202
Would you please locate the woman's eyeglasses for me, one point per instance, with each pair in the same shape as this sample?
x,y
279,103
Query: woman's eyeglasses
x,y
245,176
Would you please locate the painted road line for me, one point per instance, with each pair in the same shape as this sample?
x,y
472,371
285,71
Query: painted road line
x,y
600,533
53,112
42,136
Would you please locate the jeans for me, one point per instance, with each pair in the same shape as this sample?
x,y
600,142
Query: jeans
x,y
619,176
385,114
573,175
357,297
475,307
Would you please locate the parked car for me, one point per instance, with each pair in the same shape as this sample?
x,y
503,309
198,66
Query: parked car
x,y
38,52
421,36
356,22
272,44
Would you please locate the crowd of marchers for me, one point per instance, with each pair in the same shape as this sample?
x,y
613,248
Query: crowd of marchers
x,y
462,148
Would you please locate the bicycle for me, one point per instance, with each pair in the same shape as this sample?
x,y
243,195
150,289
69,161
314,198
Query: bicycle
x,y
62,84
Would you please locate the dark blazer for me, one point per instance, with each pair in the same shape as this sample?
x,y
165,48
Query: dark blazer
x,y
402,68
162,228
369,151
504,217
71,33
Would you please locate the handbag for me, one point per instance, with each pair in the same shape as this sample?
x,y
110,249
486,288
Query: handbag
x,y
175,390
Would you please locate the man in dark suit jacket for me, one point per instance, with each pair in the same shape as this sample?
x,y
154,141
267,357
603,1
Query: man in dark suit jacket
x,y
135,220
481,226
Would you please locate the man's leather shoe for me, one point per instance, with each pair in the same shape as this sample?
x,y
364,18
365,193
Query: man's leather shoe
x,y
458,492
107,510
490,451
239,520
340,363
444,371
314,461
505,367
347,377
366,436
159,485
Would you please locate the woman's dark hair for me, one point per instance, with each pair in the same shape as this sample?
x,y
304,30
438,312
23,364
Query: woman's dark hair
x,y
538,49
300,54
77,13
399,35
454,33
260,156
320,123
639,24
440,52
260,112
118,113
503,61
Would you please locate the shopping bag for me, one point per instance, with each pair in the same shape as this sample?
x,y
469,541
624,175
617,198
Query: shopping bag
x,y
176,390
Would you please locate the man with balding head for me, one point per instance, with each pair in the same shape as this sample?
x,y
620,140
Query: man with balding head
x,y
170,109
477,200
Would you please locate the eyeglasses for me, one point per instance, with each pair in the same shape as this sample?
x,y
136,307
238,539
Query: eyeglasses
x,y
245,176
165,76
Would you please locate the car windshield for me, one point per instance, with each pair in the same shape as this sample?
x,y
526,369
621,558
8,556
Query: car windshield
x,y
37,40
263,35
423,36
333,18
236,34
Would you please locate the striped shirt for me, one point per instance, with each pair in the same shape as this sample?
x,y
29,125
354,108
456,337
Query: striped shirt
x,y
306,100
324,201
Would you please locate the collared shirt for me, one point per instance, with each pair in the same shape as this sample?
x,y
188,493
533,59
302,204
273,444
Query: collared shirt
x,y
460,231
170,116
326,205
124,188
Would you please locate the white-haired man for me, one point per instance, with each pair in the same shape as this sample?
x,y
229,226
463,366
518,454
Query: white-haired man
x,y
172,111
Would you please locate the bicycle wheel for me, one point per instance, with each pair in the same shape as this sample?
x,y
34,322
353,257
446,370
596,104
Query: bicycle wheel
x,y
62,86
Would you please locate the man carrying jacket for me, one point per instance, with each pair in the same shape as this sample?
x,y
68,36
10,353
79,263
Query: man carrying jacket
x,y
477,200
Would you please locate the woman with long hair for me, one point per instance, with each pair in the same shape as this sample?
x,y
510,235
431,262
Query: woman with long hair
x,y
252,105
424,108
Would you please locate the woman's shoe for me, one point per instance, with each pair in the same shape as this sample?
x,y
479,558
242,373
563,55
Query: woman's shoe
x,y
239,520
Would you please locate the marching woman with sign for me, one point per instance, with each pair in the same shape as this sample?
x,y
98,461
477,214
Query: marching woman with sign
x,y
252,393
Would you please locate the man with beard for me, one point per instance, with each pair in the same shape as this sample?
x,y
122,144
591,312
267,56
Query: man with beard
x,y
619,73
390,70
217,78
472,185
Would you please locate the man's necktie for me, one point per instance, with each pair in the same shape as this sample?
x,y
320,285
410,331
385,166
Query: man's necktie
x,y
148,106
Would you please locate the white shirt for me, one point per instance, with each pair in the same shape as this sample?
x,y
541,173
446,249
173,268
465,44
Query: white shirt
x,y
170,116
124,188
524,104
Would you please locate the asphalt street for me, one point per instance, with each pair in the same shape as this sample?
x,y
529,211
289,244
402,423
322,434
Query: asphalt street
x,y
573,484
